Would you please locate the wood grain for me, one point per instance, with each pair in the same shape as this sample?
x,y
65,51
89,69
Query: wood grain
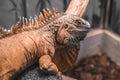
x,y
77,7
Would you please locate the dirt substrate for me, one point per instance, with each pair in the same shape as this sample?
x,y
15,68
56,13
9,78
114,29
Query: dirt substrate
x,y
97,67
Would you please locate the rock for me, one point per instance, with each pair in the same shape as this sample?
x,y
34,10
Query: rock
x,y
34,73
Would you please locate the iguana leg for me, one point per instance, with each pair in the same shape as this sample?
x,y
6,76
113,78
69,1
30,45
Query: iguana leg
x,y
46,63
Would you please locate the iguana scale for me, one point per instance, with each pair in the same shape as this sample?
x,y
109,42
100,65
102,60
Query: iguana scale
x,y
50,39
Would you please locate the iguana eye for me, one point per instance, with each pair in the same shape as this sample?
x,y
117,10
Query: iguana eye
x,y
66,26
77,22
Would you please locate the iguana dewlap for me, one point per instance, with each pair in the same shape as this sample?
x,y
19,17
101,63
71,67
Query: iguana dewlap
x,y
52,40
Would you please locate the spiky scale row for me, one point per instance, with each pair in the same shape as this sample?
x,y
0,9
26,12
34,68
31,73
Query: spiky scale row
x,y
25,24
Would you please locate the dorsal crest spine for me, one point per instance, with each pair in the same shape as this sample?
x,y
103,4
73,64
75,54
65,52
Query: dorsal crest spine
x,y
25,24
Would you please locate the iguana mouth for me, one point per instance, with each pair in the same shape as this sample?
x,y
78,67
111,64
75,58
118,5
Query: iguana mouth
x,y
83,28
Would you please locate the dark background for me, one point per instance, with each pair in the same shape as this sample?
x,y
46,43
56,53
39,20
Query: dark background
x,y
10,10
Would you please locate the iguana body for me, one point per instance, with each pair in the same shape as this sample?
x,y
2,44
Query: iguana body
x,y
53,42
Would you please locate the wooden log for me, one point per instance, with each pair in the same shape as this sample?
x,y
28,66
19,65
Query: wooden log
x,y
77,7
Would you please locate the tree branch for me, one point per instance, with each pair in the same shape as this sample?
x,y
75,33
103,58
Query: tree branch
x,y
77,7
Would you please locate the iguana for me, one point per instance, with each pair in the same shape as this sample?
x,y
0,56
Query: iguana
x,y
50,39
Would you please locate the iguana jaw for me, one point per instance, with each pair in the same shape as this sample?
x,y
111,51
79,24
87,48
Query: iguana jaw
x,y
81,32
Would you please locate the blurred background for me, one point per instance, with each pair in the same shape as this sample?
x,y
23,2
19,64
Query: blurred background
x,y
100,13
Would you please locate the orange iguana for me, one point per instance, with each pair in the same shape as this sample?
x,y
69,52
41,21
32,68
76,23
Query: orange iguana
x,y
51,39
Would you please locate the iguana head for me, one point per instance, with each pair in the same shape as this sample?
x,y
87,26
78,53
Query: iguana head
x,y
72,30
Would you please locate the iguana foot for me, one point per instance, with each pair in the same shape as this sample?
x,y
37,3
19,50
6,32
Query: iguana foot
x,y
53,68
46,63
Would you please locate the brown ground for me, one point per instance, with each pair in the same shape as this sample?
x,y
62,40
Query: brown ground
x,y
97,67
